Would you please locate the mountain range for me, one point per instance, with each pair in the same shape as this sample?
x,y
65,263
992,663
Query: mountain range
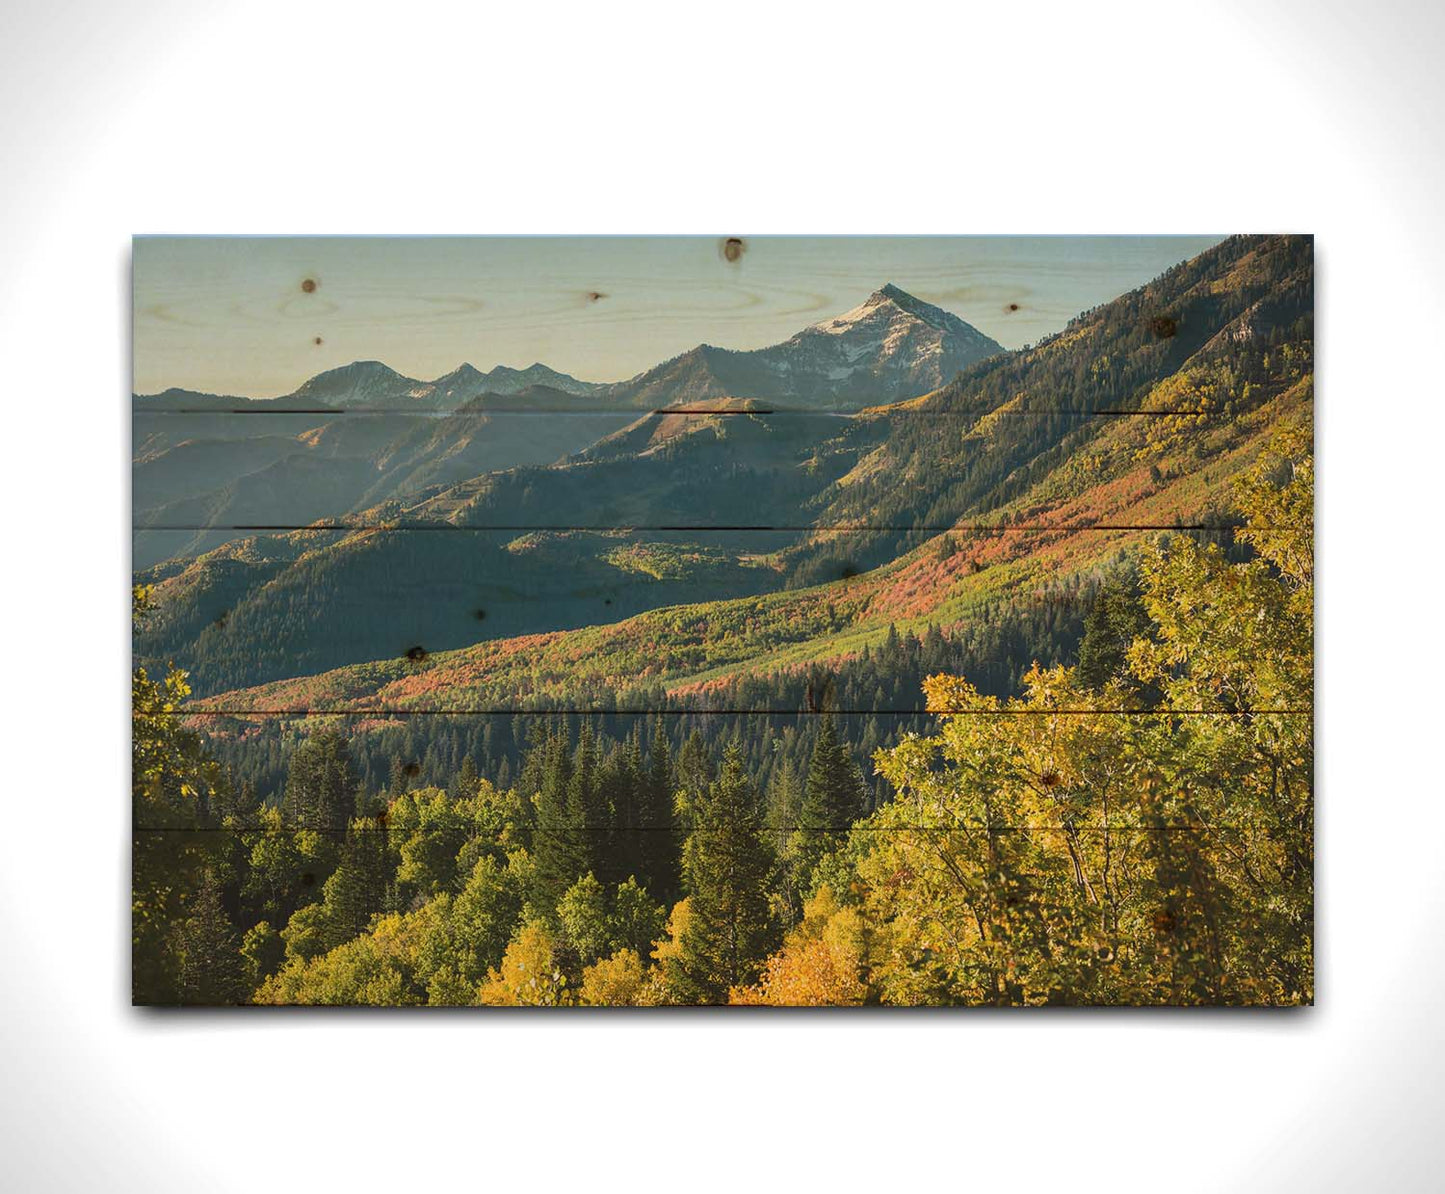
x,y
350,438
890,468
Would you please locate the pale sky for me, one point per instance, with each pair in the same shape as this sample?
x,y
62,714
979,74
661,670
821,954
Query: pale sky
x,y
235,315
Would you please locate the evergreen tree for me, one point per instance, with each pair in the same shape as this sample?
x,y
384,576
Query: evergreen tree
x,y
321,784
211,969
833,799
694,773
616,804
584,803
783,815
396,781
559,846
357,887
659,862
1115,620
726,863
466,781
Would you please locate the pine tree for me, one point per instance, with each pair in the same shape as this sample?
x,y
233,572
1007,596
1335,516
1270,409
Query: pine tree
x,y
833,799
726,863
784,812
693,774
466,781
357,888
559,846
321,784
618,802
211,969
1115,620
659,862
584,803
396,781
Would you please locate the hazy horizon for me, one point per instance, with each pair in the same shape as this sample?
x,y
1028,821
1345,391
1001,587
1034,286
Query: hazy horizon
x,y
257,316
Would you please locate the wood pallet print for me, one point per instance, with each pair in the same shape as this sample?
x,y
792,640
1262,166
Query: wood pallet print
x,y
703,621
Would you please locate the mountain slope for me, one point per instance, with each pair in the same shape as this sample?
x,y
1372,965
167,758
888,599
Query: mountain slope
x,y
696,655
334,468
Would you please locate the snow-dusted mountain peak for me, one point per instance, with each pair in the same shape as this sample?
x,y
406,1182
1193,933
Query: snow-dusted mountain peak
x,y
890,347
889,303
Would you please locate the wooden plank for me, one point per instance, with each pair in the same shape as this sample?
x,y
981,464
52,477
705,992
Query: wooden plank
x,y
785,470
414,608
525,299
425,749
421,904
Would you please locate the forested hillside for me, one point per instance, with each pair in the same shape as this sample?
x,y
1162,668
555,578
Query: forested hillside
x,y
1133,830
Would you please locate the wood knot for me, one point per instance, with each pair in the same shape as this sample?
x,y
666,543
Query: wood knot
x,y
416,654
1163,326
733,248
308,285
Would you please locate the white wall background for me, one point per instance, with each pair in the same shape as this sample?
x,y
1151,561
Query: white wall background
x,y
171,116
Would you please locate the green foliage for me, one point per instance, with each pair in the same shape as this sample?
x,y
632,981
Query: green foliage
x,y
596,923
307,933
263,952
321,786
439,953
1115,620
636,920
175,788
726,863
283,867
210,967
1035,855
582,912
833,798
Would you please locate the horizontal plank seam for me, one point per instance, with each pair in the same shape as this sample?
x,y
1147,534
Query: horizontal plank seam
x,y
643,412
190,711
700,528
467,831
